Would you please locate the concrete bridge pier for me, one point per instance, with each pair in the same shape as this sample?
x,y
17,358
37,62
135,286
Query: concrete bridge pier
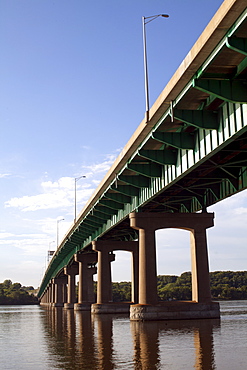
x,y
59,283
104,287
71,271
49,295
52,294
148,307
87,269
44,299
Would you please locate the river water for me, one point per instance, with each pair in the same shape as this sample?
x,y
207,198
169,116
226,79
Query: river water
x,y
33,337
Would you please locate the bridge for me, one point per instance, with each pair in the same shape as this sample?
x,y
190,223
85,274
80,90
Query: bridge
x,y
189,154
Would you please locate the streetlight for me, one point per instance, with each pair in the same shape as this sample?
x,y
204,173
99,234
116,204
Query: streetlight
x,y
61,219
76,179
146,20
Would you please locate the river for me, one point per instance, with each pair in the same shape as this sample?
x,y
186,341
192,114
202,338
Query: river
x,y
34,337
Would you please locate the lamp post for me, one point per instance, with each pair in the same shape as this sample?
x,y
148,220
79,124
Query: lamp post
x,y
61,219
146,20
76,179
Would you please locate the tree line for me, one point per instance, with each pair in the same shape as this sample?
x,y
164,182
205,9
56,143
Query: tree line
x,y
15,293
225,285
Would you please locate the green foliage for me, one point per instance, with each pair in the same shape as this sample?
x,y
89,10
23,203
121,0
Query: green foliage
x,y
15,293
224,285
229,284
121,292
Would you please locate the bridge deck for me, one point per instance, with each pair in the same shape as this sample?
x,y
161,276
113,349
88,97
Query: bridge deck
x,y
192,151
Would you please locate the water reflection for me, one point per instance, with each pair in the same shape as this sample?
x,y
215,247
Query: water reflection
x,y
79,340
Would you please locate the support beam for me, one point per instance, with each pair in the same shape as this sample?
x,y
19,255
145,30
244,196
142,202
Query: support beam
x,y
104,289
138,181
71,271
238,44
59,283
179,140
204,119
234,91
87,269
162,157
149,169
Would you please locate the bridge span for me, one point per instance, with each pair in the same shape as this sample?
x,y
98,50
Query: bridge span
x,y
190,154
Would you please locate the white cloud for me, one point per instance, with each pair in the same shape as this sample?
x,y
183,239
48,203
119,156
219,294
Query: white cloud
x,y
5,235
60,193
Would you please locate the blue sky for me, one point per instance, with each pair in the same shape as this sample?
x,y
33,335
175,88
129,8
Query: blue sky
x,y
71,96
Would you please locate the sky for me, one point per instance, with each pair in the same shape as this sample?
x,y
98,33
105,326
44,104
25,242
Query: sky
x,y
71,96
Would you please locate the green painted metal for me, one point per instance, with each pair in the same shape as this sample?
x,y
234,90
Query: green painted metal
x,y
232,91
126,190
162,157
120,198
111,204
149,169
200,162
199,118
139,181
238,44
106,210
180,140
100,216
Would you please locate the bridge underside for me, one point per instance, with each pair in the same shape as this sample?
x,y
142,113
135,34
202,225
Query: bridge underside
x,y
220,176
190,155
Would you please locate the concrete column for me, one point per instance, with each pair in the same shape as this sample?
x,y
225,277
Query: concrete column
x,y
59,286
104,286
104,289
147,259
110,246
86,272
92,270
199,266
65,293
147,267
52,293
71,271
135,276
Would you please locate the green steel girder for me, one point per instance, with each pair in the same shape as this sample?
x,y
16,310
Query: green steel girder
x,y
94,219
129,190
242,66
87,229
138,180
234,91
238,44
149,169
106,210
101,216
92,223
117,197
180,140
204,119
226,188
111,204
76,237
163,157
